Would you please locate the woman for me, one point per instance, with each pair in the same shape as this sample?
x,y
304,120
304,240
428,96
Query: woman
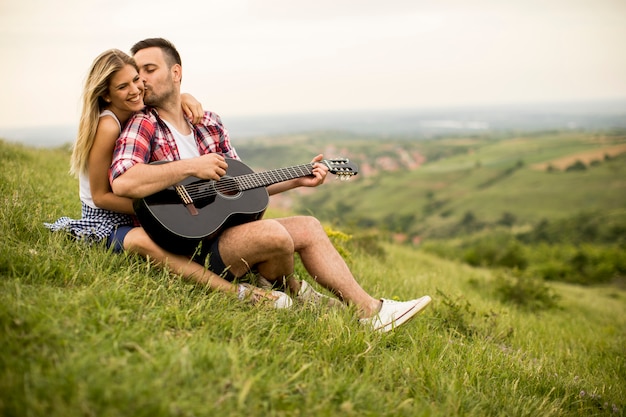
x,y
113,93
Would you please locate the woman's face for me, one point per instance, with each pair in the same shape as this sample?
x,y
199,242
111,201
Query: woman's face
x,y
126,90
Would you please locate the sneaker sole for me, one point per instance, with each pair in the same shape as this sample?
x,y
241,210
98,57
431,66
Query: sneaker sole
x,y
421,304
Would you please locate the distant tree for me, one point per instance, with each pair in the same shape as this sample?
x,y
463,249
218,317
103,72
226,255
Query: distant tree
x,y
508,219
446,213
399,223
366,222
577,166
542,232
470,223
468,219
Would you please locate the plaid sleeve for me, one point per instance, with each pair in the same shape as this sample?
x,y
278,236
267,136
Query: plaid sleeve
x,y
215,138
133,145
228,149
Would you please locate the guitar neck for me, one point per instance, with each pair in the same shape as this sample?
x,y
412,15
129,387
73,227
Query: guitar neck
x,y
274,176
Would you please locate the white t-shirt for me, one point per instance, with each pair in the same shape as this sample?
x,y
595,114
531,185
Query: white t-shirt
x,y
186,144
83,178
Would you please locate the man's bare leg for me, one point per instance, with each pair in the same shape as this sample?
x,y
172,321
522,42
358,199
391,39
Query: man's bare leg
x,y
325,264
263,244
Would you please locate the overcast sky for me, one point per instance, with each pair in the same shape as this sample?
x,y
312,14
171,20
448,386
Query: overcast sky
x,y
291,56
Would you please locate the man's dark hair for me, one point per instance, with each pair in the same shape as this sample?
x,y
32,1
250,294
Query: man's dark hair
x,y
169,50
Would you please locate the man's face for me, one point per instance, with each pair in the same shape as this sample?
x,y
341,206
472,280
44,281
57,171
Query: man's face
x,y
158,78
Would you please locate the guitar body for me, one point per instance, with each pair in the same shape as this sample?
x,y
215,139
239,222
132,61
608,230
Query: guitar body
x,y
172,225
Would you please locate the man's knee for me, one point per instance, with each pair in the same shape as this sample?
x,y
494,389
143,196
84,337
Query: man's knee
x,y
278,237
266,236
312,223
308,225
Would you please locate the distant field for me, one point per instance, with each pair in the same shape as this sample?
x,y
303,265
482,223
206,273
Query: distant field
x,y
585,157
486,178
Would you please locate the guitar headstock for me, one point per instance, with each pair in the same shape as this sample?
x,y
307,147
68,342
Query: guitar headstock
x,y
342,167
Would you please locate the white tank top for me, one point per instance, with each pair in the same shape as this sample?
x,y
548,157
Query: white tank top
x,y
83,178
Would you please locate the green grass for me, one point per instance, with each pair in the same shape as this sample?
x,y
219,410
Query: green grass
x,y
88,333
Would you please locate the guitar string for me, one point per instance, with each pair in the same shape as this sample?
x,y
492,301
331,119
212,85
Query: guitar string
x,y
249,181
235,183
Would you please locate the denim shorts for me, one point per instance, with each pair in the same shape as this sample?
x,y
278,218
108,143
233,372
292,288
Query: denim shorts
x,y
115,241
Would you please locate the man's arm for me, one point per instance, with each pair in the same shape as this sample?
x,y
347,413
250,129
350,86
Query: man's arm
x,y
142,179
130,174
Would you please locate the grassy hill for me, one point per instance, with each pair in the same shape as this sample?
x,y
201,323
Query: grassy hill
x,y
86,332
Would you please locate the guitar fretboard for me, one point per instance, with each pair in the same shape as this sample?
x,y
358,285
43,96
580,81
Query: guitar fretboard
x,y
263,179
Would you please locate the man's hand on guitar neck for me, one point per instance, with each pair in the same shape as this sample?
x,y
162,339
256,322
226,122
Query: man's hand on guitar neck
x,y
319,174
320,171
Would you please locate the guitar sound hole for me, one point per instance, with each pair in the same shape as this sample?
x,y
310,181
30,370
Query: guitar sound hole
x,y
227,186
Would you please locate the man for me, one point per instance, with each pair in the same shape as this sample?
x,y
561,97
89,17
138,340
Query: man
x,y
161,132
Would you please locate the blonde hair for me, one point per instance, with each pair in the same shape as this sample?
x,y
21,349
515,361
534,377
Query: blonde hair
x,y
102,70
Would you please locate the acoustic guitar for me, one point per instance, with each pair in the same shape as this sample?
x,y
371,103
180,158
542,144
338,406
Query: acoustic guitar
x,y
178,218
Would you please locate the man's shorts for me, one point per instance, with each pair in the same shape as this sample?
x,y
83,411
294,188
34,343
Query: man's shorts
x,y
209,255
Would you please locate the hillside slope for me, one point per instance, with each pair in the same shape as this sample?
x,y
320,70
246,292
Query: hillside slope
x,y
87,332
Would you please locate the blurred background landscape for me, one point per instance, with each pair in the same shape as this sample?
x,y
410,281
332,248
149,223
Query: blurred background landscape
x,y
416,124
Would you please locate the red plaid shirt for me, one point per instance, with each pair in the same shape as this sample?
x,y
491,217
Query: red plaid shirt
x,y
146,138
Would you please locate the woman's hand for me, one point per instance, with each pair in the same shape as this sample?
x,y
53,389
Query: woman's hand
x,y
192,108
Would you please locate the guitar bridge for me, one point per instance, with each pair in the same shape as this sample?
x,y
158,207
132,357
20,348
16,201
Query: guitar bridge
x,y
186,199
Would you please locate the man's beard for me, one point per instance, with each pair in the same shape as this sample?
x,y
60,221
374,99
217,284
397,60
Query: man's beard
x,y
155,100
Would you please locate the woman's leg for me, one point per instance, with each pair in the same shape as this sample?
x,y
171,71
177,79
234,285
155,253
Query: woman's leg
x,y
137,241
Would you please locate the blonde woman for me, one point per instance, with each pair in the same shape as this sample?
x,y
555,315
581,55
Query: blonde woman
x,y
113,93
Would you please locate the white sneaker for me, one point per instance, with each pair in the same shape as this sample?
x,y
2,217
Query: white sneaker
x,y
394,313
307,294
